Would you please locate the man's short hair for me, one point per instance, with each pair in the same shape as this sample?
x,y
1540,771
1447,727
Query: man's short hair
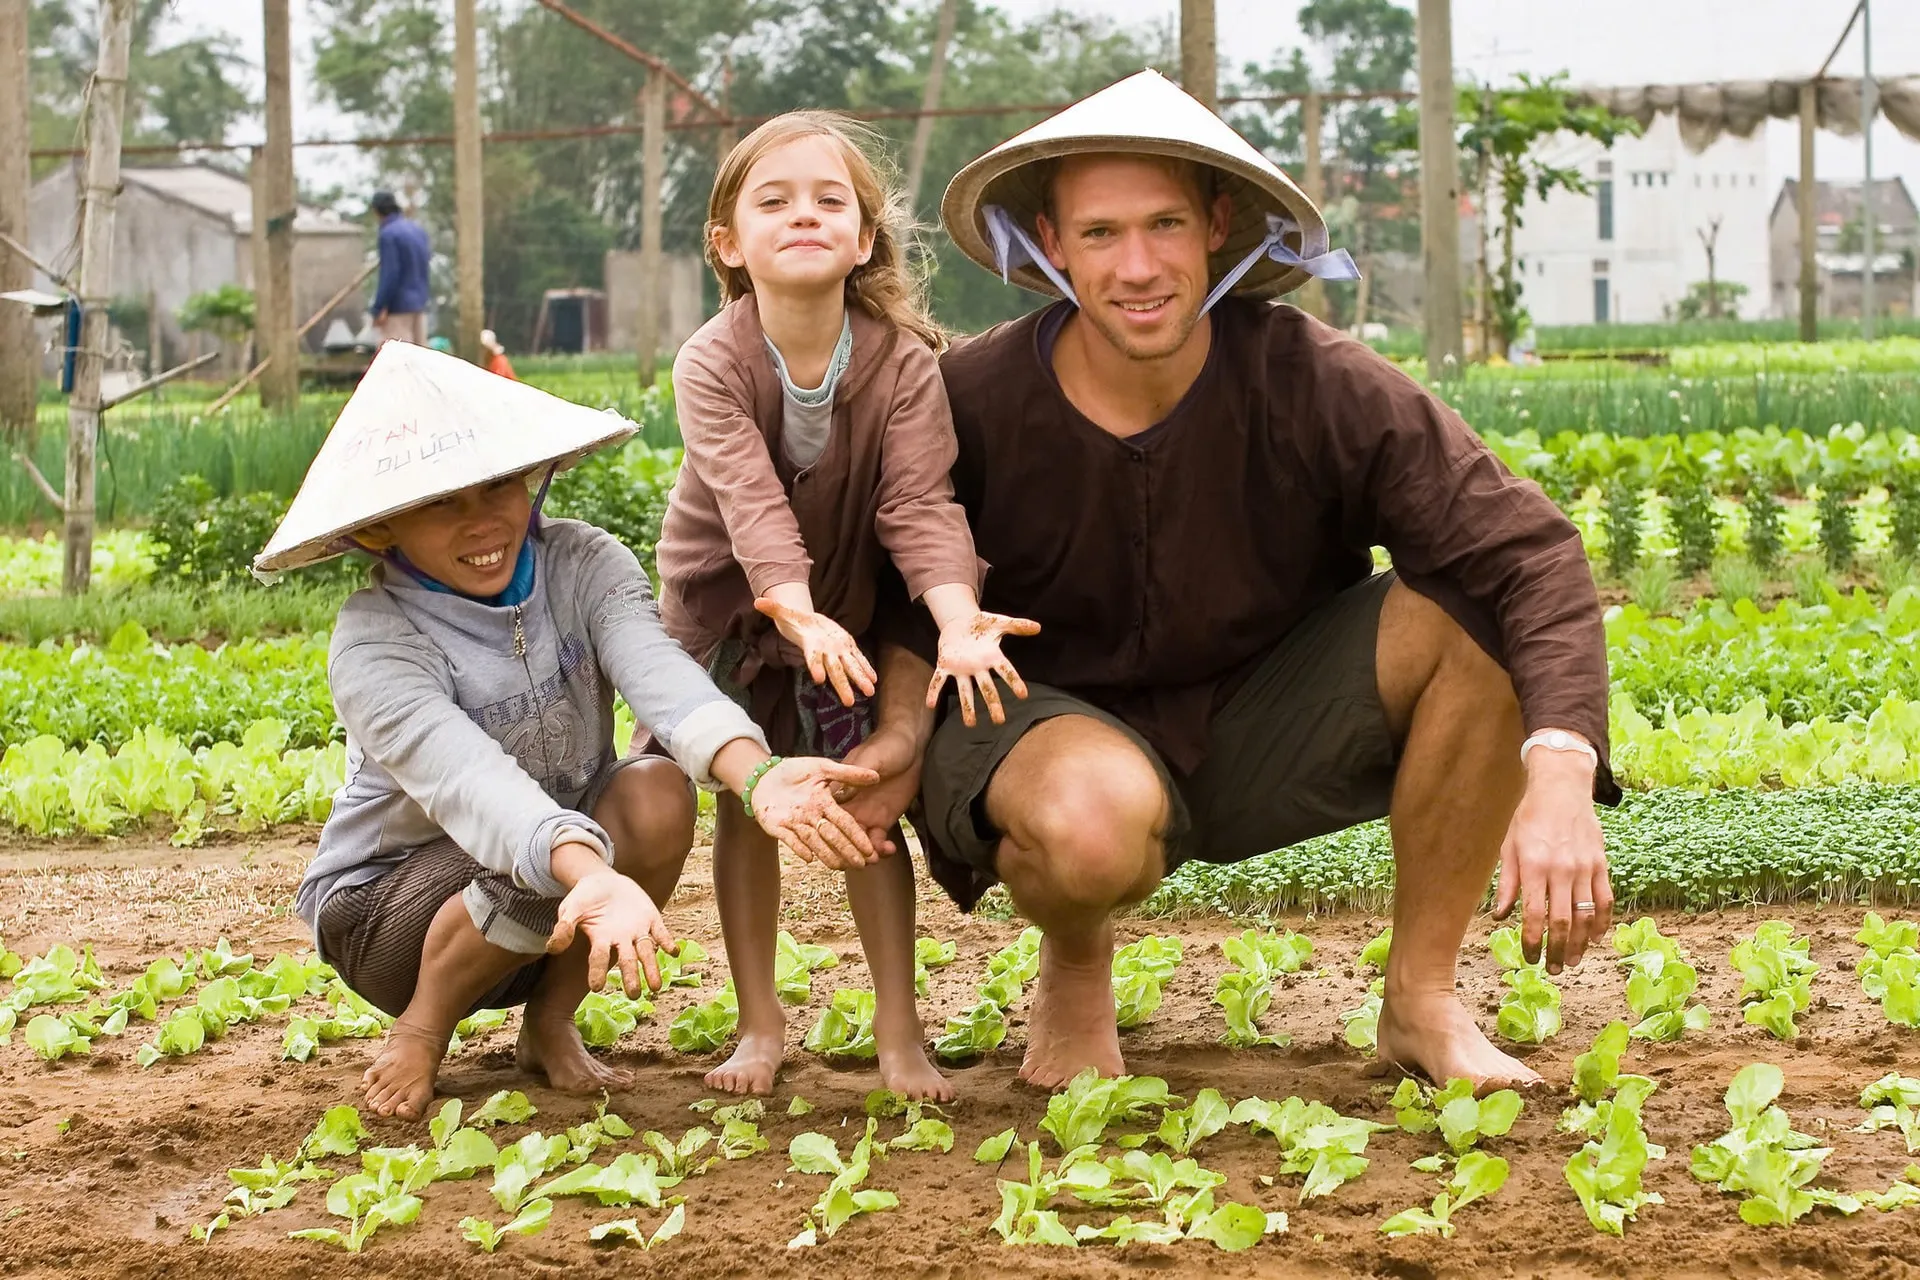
x,y
384,204
1205,178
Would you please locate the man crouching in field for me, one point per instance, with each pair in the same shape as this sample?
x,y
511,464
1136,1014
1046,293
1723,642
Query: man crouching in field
x,y
1181,482
488,847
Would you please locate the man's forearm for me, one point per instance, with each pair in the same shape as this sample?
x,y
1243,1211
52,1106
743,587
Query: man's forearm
x,y
901,701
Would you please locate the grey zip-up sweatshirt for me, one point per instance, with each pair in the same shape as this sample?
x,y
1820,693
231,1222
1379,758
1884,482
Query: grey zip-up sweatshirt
x,y
488,723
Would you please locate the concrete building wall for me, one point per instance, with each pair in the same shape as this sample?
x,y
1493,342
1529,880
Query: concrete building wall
x,y
682,310
1663,197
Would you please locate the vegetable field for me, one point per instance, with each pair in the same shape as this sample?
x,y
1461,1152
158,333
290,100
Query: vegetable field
x,y
1283,1157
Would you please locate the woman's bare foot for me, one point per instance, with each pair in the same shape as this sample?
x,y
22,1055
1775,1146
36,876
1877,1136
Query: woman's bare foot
x,y
905,1067
1434,1035
1072,1024
400,1081
550,1044
755,1062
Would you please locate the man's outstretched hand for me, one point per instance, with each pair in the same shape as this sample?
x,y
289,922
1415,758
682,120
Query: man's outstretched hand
x,y
895,756
1554,862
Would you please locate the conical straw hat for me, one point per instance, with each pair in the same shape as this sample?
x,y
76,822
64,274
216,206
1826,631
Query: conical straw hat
x,y
422,425
1144,114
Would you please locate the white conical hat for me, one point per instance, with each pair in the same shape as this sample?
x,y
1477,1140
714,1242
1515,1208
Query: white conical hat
x,y
422,425
1144,114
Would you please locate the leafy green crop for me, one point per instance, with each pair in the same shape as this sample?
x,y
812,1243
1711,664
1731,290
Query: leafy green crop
x,y
1893,1102
1315,1140
930,954
1139,969
704,1027
628,1230
531,1220
1778,977
1475,1177
1659,983
1762,1157
977,1030
793,966
1080,1114
1245,991
846,1197
1462,1119
604,1016
1607,1174
1181,1130
845,1028
1890,970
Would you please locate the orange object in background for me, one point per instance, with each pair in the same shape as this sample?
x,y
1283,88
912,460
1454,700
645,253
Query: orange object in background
x,y
497,361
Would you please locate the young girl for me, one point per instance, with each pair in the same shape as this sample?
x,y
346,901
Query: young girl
x,y
488,848
818,444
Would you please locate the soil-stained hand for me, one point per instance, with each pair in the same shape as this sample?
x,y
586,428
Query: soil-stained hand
x,y
970,656
832,655
1554,863
622,925
794,803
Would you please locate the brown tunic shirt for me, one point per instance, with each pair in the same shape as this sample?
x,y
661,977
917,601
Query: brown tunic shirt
x,y
742,518
1162,567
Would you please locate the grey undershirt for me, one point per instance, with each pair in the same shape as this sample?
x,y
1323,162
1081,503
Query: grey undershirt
x,y
807,415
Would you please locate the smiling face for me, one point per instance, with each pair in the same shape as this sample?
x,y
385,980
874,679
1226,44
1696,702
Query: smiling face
x,y
796,224
469,541
1133,234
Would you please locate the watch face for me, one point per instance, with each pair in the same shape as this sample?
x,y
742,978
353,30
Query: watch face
x,y
1559,740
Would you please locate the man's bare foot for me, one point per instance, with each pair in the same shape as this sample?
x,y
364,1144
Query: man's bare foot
x,y
400,1081
755,1062
1072,1024
906,1069
1434,1035
551,1045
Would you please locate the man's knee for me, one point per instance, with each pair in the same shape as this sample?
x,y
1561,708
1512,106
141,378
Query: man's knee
x,y
1086,822
1422,651
649,809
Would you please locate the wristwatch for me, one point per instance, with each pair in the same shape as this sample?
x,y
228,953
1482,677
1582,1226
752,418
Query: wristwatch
x,y
1558,740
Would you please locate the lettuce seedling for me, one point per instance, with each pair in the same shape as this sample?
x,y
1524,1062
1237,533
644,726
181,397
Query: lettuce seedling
x,y
531,1220
630,1178
1363,1023
1660,981
1244,996
1762,1156
680,1160
369,1201
518,1165
1606,1175
1475,1177
54,1038
977,1031
1462,1119
676,966
1182,1130
1778,977
1125,1231
1134,1177
930,954
1233,1227
1315,1140
1135,998
845,1028
1374,954
504,1107
1080,1114
1273,954
993,1150
702,1028
604,1016
793,966
1530,1011
1893,1102
628,1230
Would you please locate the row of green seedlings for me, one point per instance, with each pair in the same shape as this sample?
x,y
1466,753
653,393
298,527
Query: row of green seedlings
x,y
1696,523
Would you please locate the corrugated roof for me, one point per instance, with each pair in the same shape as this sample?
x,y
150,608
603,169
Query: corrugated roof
x,y
224,195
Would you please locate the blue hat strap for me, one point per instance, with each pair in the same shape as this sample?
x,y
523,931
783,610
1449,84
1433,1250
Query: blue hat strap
x,y
1010,239
1336,264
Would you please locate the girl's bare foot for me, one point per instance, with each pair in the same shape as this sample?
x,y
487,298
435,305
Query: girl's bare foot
x,y
906,1069
550,1044
400,1081
1072,1026
755,1062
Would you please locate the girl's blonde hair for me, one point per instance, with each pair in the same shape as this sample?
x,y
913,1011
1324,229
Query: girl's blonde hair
x,y
886,286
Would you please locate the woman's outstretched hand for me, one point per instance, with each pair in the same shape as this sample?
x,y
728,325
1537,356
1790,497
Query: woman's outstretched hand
x,y
833,656
794,803
970,656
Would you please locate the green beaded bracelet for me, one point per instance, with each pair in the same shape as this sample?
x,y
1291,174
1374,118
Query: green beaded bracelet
x,y
753,780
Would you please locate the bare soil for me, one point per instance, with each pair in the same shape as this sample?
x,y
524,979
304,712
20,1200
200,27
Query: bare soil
x,y
104,1166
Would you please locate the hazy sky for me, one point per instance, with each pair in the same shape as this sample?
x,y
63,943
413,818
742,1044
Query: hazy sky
x,y
1609,42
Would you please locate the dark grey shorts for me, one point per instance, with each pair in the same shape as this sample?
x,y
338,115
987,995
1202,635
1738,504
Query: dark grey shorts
x,y
1301,749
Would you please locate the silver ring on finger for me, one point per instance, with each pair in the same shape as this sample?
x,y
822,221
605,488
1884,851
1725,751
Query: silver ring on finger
x,y
1585,908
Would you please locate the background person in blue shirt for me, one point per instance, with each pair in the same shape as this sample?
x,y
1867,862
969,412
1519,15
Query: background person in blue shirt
x,y
400,302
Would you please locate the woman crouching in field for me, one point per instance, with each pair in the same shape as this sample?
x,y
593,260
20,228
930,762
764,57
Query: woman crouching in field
x,y
488,847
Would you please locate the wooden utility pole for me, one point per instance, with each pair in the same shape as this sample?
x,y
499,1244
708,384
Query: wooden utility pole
x,y
1199,52
105,98
273,293
653,163
1313,294
1809,232
468,220
930,98
1869,104
257,256
1439,189
19,362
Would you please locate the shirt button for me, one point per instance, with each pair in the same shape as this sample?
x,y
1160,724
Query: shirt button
x,y
1139,457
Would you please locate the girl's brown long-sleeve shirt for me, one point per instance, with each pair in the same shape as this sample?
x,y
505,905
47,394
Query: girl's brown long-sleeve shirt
x,y
742,518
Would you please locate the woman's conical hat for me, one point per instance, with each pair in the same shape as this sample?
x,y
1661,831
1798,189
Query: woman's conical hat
x,y
422,425
1145,114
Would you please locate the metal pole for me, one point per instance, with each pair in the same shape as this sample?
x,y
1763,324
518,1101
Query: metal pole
x,y
106,95
653,163
19,362
469,223
1199,52
1869,106
1439,189
1313,295
280,388
1809,232
930,97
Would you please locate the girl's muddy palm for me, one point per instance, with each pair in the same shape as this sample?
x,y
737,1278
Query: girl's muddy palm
x,y
970,656
832,655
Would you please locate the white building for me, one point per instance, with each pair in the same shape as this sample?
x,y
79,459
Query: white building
x,y
1627,250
